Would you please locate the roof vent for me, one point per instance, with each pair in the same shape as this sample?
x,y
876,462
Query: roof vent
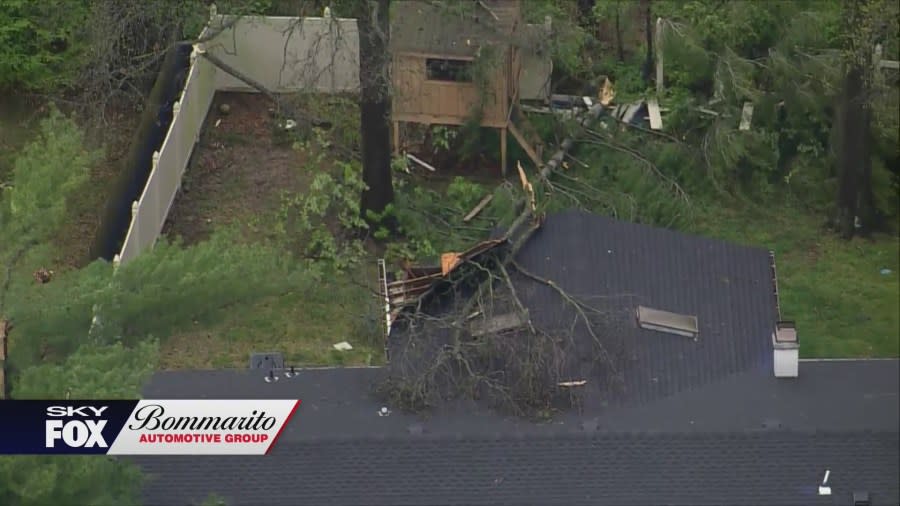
x,y
861,499
786,346
664,321
268,360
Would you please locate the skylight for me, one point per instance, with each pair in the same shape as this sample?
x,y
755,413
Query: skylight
x,y
664,321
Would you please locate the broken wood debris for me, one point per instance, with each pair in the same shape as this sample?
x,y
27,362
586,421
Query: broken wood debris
x,y
421,162
478,208
655,115
529,190
746,116
607,93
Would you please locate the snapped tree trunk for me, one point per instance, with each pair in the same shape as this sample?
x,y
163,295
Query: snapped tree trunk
x,y
375,105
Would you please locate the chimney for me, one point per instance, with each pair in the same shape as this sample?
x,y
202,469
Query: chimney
x,y
786,349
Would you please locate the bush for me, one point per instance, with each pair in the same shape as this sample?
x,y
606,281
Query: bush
x,y
39,46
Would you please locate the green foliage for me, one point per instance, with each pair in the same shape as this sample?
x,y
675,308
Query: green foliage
x,y
39,47
324,222
785,58
46,173
442,137
81,479
568,37
93,371
98,372
163,291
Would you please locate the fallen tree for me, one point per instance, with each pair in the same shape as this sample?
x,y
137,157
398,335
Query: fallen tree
x,y
470,334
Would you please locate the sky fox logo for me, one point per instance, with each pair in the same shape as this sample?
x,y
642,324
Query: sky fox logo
x,y
76,433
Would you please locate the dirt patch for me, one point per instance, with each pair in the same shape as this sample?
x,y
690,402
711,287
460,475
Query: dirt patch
x,y
87,207
238,172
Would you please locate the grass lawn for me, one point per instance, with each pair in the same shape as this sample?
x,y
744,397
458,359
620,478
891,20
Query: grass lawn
x,y
833,289
303,325
237,179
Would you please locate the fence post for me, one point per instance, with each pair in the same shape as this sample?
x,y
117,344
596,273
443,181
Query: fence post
x,y
4,335
136,226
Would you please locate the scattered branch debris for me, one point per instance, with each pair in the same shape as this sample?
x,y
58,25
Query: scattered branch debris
x,y
43,276
478,208
463,330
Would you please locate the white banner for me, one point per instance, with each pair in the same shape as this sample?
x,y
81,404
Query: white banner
x,y
203,427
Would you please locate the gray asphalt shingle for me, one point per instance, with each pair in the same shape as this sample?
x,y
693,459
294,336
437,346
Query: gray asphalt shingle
x,y
702,422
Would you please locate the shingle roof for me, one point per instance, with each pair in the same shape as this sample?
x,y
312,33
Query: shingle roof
x,y
699,447
622,265
420,26
702,422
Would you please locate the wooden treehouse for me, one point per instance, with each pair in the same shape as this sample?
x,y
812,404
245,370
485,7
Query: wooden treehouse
x,y
435,48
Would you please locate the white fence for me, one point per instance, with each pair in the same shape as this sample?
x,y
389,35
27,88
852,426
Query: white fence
x,y
290,54
283,54
148,214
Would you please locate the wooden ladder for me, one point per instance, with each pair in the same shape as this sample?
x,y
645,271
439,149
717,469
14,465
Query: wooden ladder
x,y
382,287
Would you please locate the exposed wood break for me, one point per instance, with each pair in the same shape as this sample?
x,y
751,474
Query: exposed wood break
x,y
526,186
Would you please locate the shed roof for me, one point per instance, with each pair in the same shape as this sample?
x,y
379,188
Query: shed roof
x,y
451,28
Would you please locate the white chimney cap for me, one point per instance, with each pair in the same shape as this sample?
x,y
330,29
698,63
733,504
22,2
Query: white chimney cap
x,y
786,350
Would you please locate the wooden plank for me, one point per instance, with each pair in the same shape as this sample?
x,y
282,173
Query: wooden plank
x,y
890,64
746,116
477,209
655,115
525,145
421,162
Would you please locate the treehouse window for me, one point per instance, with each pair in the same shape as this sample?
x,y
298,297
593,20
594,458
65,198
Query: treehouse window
x,y
459,71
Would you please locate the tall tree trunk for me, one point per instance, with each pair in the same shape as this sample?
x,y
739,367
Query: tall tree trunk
x,y
852,152
620,48
648,31
375,105
856,207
